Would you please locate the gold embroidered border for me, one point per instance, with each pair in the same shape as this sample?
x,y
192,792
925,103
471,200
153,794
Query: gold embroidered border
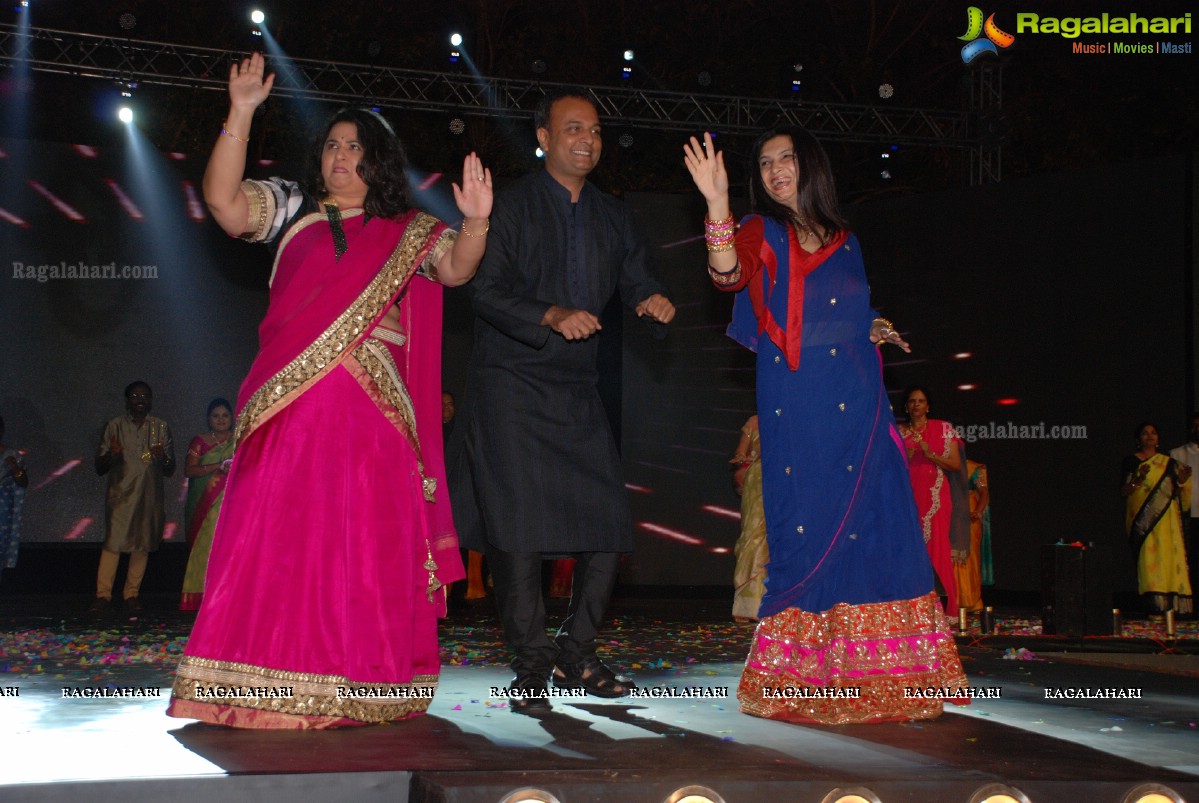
x,y
375,370
444,243
879,648
881,699
311,694
261,210
342,336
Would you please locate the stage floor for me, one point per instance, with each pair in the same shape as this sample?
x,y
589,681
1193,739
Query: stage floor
x,y
470,747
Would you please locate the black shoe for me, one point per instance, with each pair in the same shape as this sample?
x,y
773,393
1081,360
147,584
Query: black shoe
x,y
529,692
133,604
593,676
100,605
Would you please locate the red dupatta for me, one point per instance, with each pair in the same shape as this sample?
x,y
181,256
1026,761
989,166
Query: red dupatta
x,y
797,265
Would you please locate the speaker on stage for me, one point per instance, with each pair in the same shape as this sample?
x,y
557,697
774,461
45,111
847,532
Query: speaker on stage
x,y
1101,572
1063,590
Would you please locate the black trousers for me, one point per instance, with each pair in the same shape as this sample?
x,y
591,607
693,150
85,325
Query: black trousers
x,y
517,577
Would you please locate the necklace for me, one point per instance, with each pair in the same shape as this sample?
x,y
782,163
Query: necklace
x,y
218,439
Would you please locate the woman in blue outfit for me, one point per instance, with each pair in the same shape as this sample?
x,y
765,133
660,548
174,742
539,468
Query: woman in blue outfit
x,y
850,619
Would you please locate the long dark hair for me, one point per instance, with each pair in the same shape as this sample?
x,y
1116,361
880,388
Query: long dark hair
x,y
383,166
817,198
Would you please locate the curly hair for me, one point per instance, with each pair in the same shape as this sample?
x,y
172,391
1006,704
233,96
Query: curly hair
x,y
817,190
384,167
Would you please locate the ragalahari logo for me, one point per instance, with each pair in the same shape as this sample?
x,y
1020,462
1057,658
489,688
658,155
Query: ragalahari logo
x,y
978,44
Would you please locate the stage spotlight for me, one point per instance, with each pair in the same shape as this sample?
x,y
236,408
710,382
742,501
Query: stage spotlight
x,y
457,126
529,795
852,794
886,91
998,793
456,39
626,72
628,55
538,67
796,84
693,794
127,21
626,140
704,78
125,114
1152,793
257,17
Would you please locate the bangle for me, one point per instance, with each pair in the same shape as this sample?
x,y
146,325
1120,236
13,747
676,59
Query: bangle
x,y
726,277
229,133
486,228
719,235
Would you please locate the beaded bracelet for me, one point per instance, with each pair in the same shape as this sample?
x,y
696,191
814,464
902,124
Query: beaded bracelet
x,y
229,133
486,228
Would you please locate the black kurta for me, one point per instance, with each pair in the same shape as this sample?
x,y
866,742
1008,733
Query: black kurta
x,y
533,466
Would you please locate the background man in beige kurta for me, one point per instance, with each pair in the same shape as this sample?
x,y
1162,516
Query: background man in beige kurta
x,y
136,452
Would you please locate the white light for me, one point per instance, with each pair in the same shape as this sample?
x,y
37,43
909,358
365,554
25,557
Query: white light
x,y
967,387
125,114
963,355
628,55
540,153
257,17
455,39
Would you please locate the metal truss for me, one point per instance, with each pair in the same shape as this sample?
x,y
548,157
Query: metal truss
x,y
130,60
986,105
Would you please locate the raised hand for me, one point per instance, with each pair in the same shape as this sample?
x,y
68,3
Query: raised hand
x,y
706,166
247,86
475,195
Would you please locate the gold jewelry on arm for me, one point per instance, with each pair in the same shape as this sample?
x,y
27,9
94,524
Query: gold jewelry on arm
x,y
725,277
230,134
486,228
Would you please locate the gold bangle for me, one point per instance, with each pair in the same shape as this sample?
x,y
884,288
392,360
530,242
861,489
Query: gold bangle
x,y
229,133
486,228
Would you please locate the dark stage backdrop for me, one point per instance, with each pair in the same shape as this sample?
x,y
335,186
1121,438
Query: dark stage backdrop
x,y
1070,292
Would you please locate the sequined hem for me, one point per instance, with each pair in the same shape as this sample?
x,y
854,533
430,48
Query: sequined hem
x,y
342,336
244,686
852,664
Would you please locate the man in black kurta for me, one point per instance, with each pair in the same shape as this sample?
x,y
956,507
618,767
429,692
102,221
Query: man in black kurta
x,y
533,467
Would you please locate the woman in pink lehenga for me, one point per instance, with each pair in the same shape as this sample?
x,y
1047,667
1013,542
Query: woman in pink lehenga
x,y
330,553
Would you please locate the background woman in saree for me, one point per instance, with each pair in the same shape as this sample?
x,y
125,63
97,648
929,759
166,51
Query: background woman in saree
x,y
937,469
752,553
1157,490
207,466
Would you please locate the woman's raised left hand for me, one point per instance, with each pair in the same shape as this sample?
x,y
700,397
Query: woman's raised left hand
x,y
474,196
